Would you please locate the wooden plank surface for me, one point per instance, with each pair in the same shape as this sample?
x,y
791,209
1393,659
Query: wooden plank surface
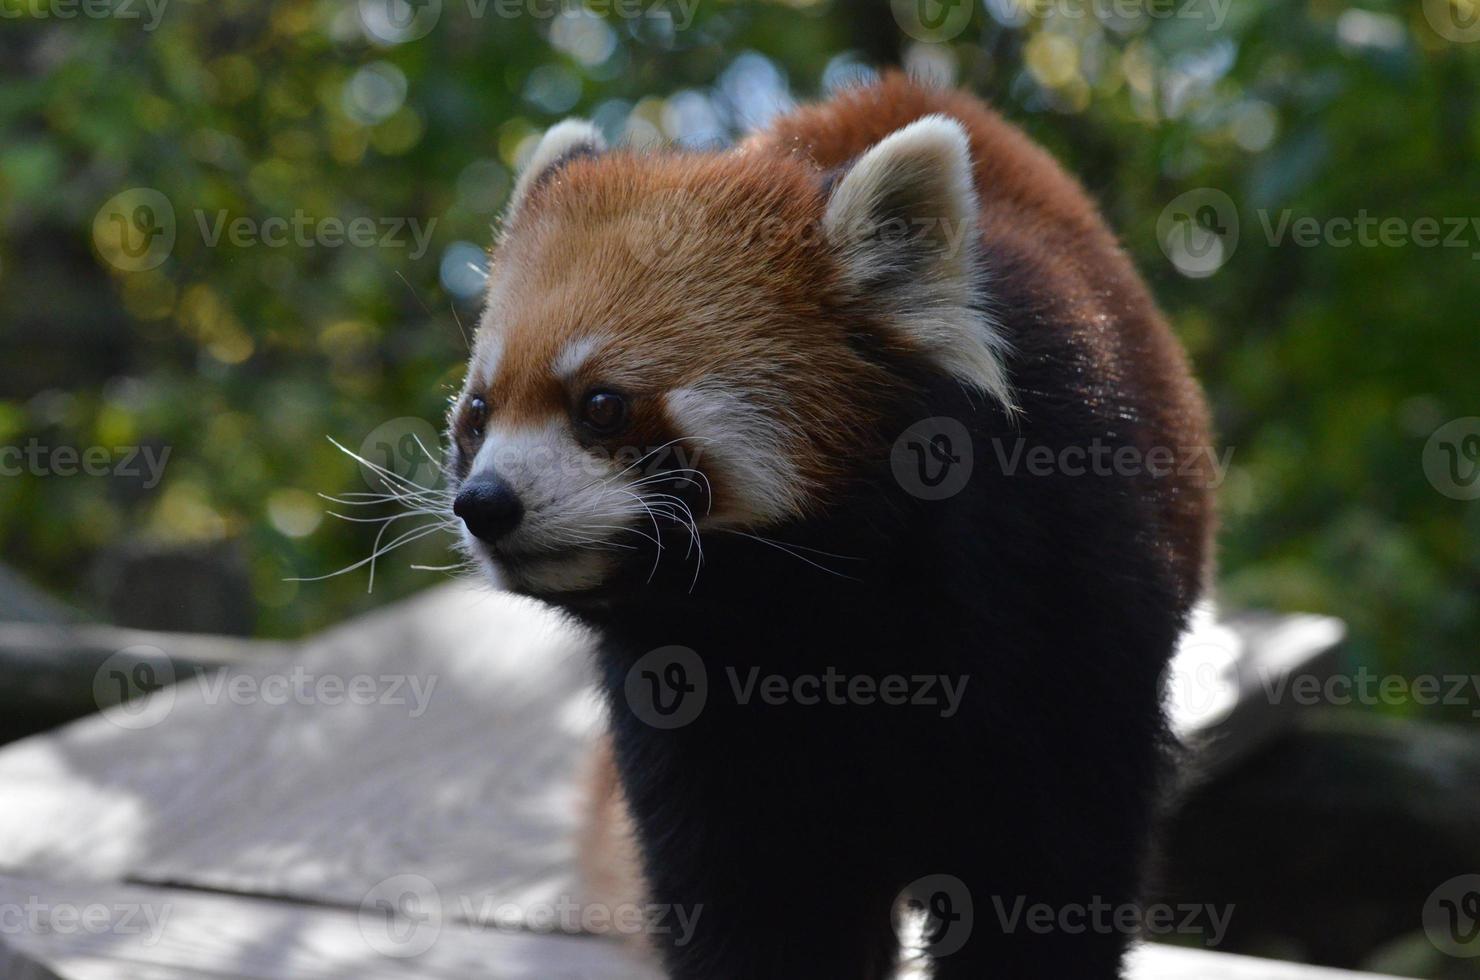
x,y
460,768
102,931
457,765
1152,962
56,672
18,965
151,933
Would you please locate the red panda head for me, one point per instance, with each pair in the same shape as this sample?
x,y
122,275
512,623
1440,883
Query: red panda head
x,y
703,340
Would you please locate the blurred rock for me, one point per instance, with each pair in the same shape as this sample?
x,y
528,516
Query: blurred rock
x,y
21,602
1329,841
188,589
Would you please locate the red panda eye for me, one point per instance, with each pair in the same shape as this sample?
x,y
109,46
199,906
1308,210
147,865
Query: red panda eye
x,y
476,415
604,412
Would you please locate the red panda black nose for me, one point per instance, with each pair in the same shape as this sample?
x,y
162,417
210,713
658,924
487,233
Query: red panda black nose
x,y
489,507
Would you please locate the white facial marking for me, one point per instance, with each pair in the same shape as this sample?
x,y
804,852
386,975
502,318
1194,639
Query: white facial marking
x,y
575,355
746,446
486,356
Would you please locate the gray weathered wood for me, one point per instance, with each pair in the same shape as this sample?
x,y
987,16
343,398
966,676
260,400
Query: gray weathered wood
x,y
151,933
461,769
318,800
16,965
360,792
52,669
21,602
148,932
1171,963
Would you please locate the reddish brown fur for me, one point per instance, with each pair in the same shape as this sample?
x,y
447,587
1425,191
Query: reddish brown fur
x,y
1031,206
606,847
752,295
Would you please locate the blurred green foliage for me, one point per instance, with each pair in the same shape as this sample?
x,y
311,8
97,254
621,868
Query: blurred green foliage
x,y
1328,367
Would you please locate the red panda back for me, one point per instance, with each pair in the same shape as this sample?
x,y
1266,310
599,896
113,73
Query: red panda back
x,y
1034,210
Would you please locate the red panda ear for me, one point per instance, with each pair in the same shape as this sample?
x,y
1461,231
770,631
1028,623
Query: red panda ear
x,y
904,223
561,142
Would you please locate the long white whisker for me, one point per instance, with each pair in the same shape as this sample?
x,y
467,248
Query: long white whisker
x,y
398,494
644,458
377,500
678,510
657,530
405,538
802,547
417,439
622,527
387,519
674,474
391,478
781,547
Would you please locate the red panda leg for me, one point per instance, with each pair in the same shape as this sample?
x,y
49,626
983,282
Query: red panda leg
x,y
768,940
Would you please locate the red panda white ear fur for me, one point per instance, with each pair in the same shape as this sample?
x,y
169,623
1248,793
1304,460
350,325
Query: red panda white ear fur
x,y
560,141
904,221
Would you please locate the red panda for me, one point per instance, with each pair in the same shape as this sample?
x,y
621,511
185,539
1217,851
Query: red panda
x,y
693,418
